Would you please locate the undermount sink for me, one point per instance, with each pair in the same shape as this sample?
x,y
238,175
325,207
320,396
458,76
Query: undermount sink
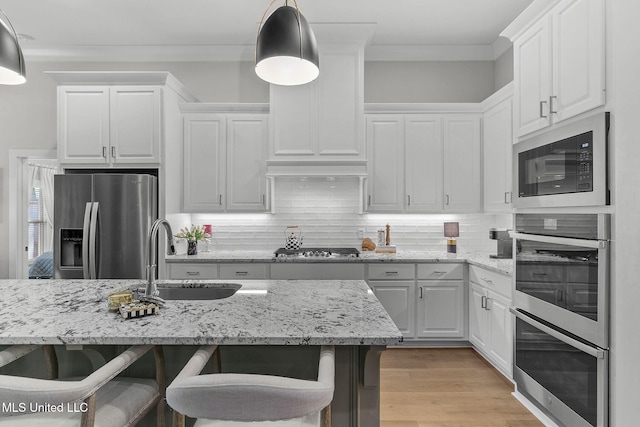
x,y
204,291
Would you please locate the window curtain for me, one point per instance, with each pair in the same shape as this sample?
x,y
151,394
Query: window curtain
x,y
42,176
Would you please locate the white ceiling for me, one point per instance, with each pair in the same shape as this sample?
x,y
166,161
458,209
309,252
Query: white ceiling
x,y
214,30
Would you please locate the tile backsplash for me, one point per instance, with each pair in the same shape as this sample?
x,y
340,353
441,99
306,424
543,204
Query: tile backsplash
x,y
326,210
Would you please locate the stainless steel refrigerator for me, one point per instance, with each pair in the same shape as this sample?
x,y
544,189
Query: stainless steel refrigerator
x,y
101,224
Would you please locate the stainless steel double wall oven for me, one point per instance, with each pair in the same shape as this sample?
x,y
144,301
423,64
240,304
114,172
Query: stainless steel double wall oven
x,y
561,308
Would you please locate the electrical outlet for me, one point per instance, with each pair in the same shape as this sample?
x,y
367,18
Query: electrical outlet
x,y
360,233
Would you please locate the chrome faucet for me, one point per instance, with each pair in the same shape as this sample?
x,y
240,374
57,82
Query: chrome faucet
x,y
151,291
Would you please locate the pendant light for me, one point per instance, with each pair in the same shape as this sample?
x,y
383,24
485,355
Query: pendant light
x,y
12,70
286,49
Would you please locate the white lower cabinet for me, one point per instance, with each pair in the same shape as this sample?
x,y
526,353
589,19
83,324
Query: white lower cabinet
x,y
423,310
398,298
490,323
195,271
440,309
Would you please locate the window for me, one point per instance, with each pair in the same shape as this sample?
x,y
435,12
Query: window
x,y
36,223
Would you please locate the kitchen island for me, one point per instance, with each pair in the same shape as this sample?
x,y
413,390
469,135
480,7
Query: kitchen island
x,y
344,313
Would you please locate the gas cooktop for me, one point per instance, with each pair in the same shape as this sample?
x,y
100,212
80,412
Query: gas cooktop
x,y
317,253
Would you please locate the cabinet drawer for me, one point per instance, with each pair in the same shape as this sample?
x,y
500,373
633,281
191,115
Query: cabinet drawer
x,y
441,271
391,271
491,280
193,271
539,273
243,271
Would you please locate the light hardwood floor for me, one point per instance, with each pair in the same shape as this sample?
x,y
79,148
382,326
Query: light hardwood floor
x,y
446,388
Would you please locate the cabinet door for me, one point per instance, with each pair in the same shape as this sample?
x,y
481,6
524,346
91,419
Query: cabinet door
x,y
440,309
578,57
341,101
500,338
135,124
398,298
423,174
204,165
462,163
294,121
498,147
385,145
532,77
246,162
83,124
478,326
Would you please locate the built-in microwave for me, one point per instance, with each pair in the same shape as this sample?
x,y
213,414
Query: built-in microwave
x,y
565,166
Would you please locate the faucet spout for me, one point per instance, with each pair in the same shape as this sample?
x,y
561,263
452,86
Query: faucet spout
x,y
151,290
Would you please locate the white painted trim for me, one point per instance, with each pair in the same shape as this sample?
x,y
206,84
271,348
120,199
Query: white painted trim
x,y
534,410
151,78
16,209
461,107
496,98
208,107
530,15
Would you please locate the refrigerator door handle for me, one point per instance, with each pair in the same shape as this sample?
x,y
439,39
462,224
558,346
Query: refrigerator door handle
x,y
86,240
92,239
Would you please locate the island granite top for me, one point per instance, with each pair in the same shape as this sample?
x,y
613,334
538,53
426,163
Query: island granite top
x,y
503,266
262,312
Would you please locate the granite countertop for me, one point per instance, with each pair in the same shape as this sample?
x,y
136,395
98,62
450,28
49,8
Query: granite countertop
x,y
262,312
503,266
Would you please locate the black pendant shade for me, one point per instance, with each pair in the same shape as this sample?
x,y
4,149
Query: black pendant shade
x,y
12,69
286,50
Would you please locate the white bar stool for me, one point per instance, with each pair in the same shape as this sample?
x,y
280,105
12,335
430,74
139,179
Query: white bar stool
x,y
241,400
99,399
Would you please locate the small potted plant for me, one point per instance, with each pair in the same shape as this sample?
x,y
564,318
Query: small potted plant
x,y
193,235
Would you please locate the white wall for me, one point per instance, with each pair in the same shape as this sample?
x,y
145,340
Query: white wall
x,y
442,81
503,69
624,100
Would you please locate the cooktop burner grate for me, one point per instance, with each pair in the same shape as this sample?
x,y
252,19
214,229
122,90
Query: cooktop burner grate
x,y
317,252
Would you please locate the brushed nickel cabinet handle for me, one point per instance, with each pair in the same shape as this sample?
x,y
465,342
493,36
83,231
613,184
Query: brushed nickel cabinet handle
x,y
220,199
391,273
483,302
446,200
551,98
113,152
408,200
104,152
486,304
193,273
241,273
420,292
541,108
369,200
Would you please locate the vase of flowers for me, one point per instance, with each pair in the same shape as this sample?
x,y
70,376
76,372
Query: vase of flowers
x,y
193,235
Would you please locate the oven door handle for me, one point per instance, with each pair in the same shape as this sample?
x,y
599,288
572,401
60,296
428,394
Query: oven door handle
x,y
592,351
567,241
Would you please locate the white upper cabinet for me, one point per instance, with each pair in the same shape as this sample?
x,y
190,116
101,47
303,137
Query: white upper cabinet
x,y
322,120
109,124
116,118
224,161
559,64
204,168
497,148
461,154
423,162
385,140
